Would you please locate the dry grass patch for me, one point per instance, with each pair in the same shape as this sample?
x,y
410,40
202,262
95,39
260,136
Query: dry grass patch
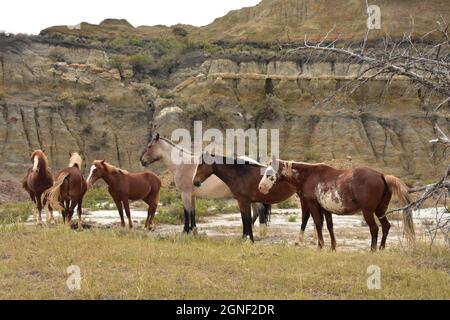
x,y
122,264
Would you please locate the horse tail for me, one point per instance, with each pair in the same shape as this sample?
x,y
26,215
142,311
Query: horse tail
x,y
400,190
52,195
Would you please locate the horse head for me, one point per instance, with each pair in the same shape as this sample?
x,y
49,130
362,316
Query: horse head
x,y
151,153
205,169
271,175
39,160
98,169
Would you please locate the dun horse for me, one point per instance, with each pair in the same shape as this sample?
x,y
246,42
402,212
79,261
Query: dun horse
x,y
243,180
124,186
213,188
38,179
327,190
69,190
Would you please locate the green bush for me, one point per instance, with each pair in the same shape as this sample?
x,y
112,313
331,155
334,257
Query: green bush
x,y
288,204
15,212
98,198
119,43
82,103
310,155
292,218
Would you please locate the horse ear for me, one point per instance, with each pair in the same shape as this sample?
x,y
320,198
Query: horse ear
x,y
43,150
157,136
102,162
275,163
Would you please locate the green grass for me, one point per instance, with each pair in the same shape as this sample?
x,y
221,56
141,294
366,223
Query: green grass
x,y
292,218
171,210
123,264
98,198
15,212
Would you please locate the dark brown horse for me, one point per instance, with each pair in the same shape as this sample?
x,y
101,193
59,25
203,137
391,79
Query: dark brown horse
x,y
124,186
69,190
38,179
242,178
327,190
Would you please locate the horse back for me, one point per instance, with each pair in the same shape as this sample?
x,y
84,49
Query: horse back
x,y
74,185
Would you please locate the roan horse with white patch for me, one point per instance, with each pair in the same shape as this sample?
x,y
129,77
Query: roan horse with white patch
x,y
124,186
38,179
69,190
328,190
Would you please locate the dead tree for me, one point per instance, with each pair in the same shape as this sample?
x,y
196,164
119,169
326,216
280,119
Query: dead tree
x,y
423,61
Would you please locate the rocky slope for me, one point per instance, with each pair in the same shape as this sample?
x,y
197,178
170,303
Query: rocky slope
x,y
67,94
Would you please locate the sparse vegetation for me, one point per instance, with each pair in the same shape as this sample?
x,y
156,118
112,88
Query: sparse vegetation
x,y
15,212
97,198
2,94
290,203
310,155
57,55
225,267
292,218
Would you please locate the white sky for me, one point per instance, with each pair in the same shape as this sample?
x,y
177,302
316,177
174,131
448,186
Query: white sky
x,y
20,16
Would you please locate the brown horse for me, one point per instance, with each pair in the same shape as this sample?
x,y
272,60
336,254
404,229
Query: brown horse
x,y
38,179
242,178
124,186
69,190
327,190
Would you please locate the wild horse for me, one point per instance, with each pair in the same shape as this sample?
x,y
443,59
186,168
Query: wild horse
x,y
242,178
124,186
69,190
327,190
160,148
38,179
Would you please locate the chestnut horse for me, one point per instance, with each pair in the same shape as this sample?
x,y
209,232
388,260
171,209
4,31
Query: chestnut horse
x,y
69,190
242,178
38,179
328,190
124,186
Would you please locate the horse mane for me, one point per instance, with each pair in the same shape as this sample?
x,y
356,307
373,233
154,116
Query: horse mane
x,y
75,160
234,161
176,146
111,168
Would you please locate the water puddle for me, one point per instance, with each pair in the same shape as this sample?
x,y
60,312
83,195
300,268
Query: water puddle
x,y
351,231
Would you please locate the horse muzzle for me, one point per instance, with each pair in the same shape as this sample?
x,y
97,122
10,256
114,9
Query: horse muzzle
x,y
263,189
197,183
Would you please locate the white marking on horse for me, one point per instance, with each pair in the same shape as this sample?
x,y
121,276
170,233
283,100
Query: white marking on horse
x,y
268,180
35,163
91,172
329,199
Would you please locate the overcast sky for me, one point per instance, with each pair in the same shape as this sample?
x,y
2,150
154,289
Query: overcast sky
x,y
20,16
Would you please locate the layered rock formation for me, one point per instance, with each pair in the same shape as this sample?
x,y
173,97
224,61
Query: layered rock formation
x,y
72,96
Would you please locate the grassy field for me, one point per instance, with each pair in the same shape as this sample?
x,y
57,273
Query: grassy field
x,y
123,264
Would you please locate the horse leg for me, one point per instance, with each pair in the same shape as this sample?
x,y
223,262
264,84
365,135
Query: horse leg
x,y
193,223
50,210
79,211
39,208
246,214
380,212
126,205
73,204
187,204
318,221
259,211
370,220
152,201
329,220
120,209
306,213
